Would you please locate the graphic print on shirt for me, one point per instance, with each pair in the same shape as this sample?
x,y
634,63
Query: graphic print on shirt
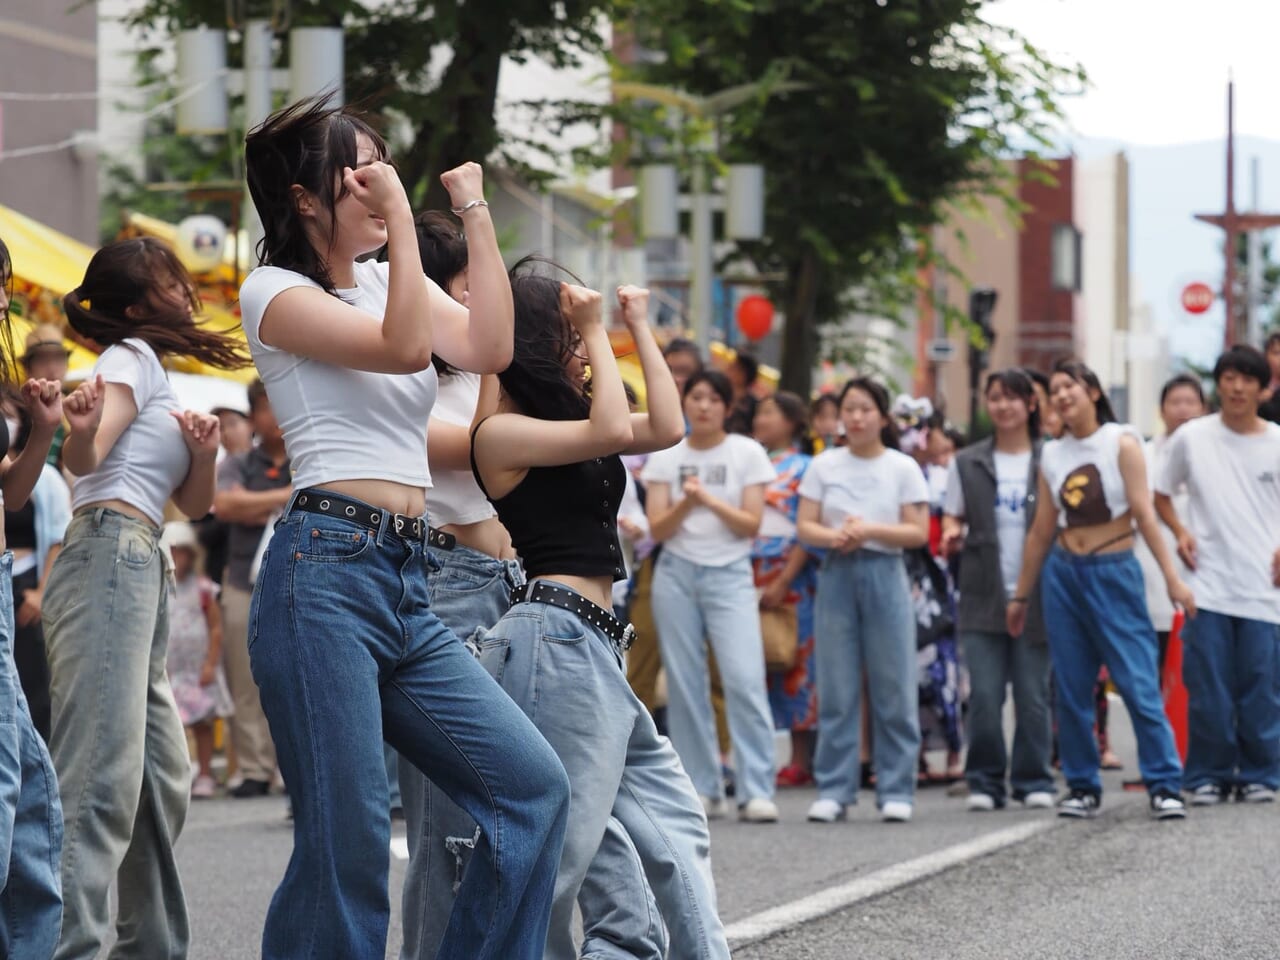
x,y
1083,498
711,475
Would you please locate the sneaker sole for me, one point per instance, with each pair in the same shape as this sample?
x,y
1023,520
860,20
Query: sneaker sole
x,y
1171,815
1078,814
1206,801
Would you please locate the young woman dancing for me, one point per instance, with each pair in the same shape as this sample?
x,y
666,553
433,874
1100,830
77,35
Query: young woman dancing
x,y
30,812
1094,601
549,461
343,642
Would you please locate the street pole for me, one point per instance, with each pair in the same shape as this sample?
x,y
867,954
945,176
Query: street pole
x,y
258,39
702,268
1255,264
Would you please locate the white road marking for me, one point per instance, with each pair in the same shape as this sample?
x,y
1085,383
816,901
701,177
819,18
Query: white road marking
x,y
400,848
771,922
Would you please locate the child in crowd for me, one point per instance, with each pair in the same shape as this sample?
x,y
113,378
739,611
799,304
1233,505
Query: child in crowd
x,y
195,651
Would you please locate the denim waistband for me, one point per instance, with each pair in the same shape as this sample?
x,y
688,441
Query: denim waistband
x,y
865,555
105,522
1064,555
480,562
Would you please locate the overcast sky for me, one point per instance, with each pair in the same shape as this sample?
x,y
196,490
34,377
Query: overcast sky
x,y
1159,67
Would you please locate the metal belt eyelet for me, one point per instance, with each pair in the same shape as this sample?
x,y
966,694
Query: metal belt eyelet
x,y
324,504
351,511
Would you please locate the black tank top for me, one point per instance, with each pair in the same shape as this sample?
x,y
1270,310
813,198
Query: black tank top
x,y
20,527
565,519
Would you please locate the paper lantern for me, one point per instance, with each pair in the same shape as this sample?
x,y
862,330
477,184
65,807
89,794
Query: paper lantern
x,y
202,76
755,317
199,243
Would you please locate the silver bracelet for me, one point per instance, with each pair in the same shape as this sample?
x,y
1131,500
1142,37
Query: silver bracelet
x,y
459,211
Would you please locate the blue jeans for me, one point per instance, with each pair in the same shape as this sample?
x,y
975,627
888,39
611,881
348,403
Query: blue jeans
x,y
995,661
863,621
692,604
347,652
1095,609
468,591
569,678
30,813
117,741
1231,667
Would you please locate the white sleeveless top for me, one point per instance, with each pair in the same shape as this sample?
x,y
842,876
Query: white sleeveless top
x,y
455,496
339,423
1084,476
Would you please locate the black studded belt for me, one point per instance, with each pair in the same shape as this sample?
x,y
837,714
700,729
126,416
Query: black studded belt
x,y
544,591
407,528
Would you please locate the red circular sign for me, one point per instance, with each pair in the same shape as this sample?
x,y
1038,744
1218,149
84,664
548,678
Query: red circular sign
x,y
1197,297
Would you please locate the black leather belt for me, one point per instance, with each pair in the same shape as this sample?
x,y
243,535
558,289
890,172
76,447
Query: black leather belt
x,y
544,591
407,528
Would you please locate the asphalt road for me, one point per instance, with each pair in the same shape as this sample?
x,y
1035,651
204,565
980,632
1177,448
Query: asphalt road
x,y
1120,886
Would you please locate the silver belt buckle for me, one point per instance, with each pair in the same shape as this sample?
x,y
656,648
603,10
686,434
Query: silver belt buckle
x,y
628,637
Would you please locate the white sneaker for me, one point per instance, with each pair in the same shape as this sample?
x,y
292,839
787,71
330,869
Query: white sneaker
x,y
714,807
204,788
826,811
1038,800
758,810
980,803
895,811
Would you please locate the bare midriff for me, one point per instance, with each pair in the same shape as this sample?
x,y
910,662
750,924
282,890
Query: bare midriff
x,y
487,536
1099,538
118,506
401,498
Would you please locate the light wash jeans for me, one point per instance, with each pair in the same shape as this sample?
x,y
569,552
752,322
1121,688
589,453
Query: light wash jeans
x,y
1231,666
117,741
1095,609
347,652
692,604
570,679
997,661
30,813
863,620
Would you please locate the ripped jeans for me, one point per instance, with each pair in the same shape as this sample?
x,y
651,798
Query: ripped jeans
x,y
470,591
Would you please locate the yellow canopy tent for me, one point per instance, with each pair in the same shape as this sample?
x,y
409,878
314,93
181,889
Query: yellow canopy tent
x,y
47,264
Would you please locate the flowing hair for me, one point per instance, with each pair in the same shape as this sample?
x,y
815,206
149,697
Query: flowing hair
x,y
442,248
537,379
134,275
8,364
1082,375
306,144
880,397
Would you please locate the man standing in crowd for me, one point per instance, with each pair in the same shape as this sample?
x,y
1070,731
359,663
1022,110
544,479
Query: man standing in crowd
x,y
253,488
1230,464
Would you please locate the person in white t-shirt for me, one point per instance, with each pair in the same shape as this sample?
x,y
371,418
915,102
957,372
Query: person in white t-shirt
x,y
1230,465
863,504
990,501
705,502
117,740
1181,400
344,645
1094,599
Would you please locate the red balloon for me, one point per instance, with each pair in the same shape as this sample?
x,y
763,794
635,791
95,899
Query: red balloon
x,y
755,317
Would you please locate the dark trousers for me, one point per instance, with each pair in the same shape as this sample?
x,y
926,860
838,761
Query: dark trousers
x,y
29,655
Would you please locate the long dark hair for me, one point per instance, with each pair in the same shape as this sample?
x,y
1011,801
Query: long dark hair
x,y
133,274
537,379
1082,375
1015,381
880,397
306,144
8,366
442,248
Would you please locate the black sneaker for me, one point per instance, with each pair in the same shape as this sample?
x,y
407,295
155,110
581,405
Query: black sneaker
x,y
1167,805
250,788
1208,795
1079,805
1255,793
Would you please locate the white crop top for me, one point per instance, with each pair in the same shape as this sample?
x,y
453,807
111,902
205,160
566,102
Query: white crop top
x,y
339,423
150,459
455,496
1084,476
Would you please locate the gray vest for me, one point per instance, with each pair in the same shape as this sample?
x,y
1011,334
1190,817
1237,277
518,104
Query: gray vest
x,y
983,598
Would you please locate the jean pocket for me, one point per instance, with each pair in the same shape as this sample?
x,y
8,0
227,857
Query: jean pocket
x,y
493,653
320,545
135,547
458,580
562,627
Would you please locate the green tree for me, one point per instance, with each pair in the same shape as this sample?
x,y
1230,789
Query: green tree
x,y
882,115
441,117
